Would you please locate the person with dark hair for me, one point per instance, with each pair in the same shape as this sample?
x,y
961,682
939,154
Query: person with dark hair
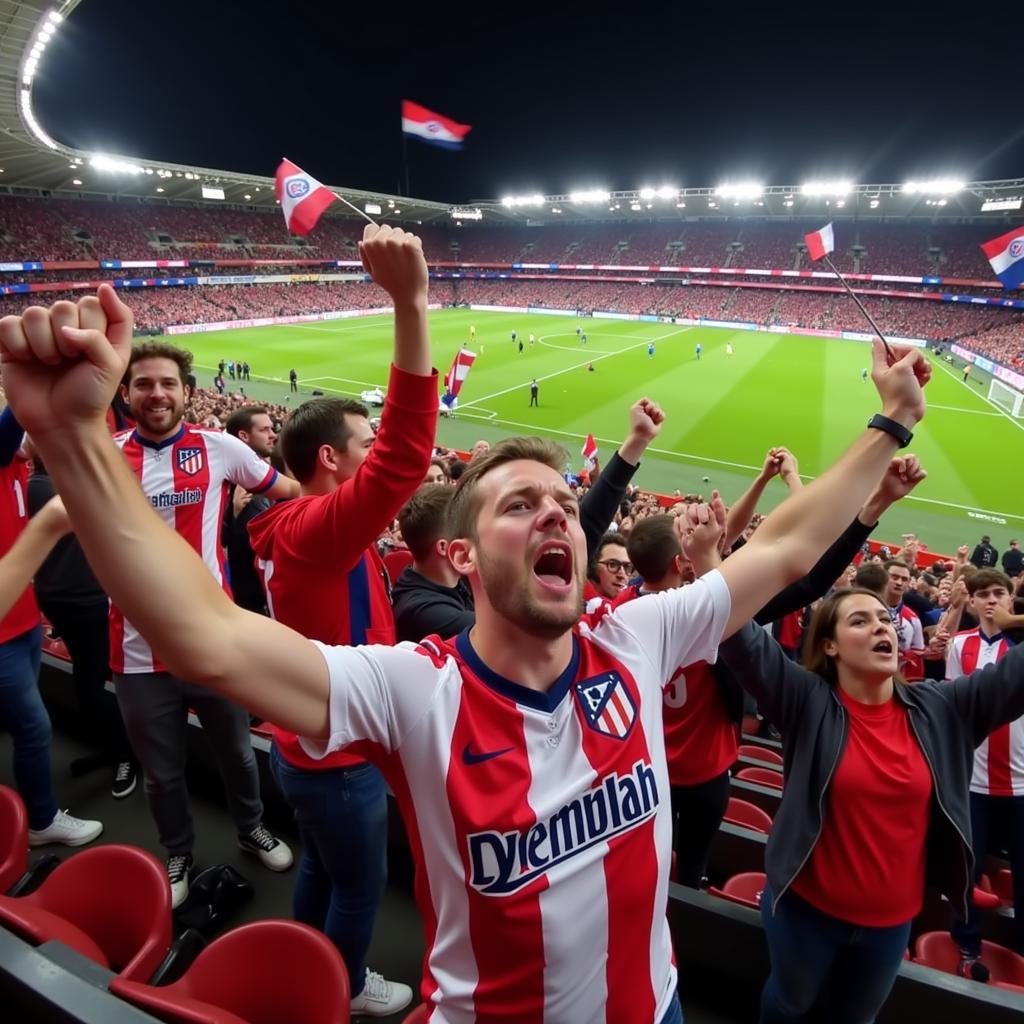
x,y
875,800
455,469
324,577
997,776
183,471
293,381
608,572
497,741
871,576
1013,560
430,597
438,472
984,555
252,425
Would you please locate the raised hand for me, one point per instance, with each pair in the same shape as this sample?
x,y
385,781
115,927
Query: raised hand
x,y
394,259
700,530
62,365
900,381
645,419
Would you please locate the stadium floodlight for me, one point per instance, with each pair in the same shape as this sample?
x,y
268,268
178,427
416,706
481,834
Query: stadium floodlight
x,y
741,190
788,202
159,188
513,201
465,213
211,192
647,193
590,195
664,192
874,204
840,203
680,205
938,187
102,162
25,103
247,196
55,16
76,181
826,188
635,206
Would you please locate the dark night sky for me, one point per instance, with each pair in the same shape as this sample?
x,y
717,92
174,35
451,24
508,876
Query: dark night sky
x,y
684,94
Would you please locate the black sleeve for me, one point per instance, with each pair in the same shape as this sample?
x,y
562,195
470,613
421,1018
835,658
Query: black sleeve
x,y
991,696
40,491
600,503
816,583
779,685
432,616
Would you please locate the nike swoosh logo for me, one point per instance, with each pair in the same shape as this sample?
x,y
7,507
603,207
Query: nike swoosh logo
x,y
468,757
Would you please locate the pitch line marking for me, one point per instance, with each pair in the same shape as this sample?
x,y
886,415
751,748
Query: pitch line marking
x,y
1002,412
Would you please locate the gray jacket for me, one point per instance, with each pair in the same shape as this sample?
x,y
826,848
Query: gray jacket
x,y
948,721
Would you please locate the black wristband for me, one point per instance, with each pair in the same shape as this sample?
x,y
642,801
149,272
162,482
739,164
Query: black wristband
x,y
897,430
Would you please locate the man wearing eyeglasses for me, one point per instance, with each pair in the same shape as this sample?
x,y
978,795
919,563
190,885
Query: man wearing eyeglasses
x,y
609,572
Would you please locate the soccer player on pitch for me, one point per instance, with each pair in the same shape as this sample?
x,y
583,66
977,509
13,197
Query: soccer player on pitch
x,y
527,754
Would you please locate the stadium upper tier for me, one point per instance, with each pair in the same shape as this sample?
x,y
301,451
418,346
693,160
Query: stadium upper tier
x,y
33,229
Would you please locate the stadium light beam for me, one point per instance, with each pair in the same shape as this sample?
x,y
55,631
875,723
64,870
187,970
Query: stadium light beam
x,y
836,189
510,202
741,190
590,195
937,187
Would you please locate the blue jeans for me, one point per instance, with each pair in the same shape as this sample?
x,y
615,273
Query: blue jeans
x,y
342,814
809,950
23,715
674,1013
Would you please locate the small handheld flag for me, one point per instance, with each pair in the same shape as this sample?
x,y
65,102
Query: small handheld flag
x,y
819,244
303,199
435,129
589,450
1006,255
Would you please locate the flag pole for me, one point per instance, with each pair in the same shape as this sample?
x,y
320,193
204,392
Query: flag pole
x,y
405,166
860,306
352,206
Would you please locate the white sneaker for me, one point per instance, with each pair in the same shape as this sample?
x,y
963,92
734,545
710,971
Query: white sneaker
x,y
380,997
178,867
67,830
272,852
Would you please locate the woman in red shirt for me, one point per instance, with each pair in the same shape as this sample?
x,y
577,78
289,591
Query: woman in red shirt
x,y
875,801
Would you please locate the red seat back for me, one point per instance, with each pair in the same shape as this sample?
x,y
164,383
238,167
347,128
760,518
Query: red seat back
x,y
938,950
261,973
118,897
745,888
396,562
740,812
756,753
418,1016
13,838
762,776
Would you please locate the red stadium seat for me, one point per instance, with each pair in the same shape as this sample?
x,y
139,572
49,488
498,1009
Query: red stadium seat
x,y
739,812
418,1016
762,776
756,753
745,889
396,562
939,951
983,896
265,972
13,838
1002,886
111,903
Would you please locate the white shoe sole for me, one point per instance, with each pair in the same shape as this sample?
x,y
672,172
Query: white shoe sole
x,y
269,867
80,841
127,792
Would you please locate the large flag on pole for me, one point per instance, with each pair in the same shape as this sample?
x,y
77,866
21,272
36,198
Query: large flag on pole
x,y
436,129
456,376
303,199
589,449
820,243
1006,254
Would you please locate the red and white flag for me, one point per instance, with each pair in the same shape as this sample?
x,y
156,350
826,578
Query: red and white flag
x,y
428,126
459,371
303,199
589,450
819,243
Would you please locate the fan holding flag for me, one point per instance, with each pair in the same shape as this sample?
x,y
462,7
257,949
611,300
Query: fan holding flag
x,y
455,378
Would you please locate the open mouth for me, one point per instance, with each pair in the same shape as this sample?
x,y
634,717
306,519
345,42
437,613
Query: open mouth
x,y
553,565
883,647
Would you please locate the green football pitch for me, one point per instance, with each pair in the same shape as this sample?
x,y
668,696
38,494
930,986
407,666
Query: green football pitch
x,y
722,412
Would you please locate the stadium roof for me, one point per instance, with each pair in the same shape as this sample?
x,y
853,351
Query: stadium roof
x,y
32,163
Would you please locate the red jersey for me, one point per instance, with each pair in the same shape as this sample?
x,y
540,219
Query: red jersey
x,y
24,615
317,555
701,740
999,761
868,865
540,822
186,479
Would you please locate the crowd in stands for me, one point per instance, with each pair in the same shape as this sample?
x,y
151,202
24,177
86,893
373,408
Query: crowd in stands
x,y
69,229
492,591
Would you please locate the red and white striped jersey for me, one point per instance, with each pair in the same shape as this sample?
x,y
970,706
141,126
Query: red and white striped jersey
x,y
999,761
539,821
186,479
909,632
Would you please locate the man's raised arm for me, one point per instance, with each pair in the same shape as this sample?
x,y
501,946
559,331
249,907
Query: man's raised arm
x,y
61,368
798,532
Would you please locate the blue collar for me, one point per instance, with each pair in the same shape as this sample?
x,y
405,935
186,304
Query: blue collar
x,y
158,445
516,691
994,639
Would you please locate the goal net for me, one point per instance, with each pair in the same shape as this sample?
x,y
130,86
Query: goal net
x,y
1006,397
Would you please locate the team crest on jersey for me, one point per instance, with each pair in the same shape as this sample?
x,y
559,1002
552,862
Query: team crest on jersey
x,y
607,704
190,460
297,188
